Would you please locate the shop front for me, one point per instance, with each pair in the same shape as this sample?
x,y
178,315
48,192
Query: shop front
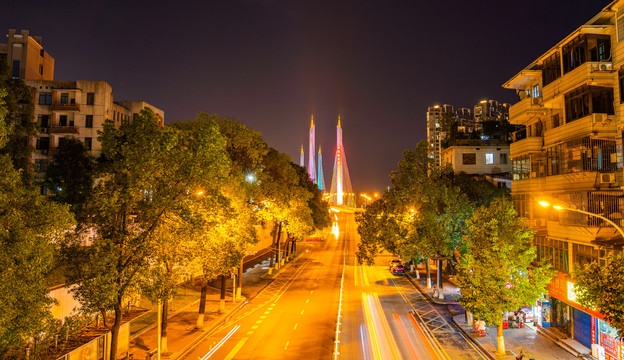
x,y
583,325
606,337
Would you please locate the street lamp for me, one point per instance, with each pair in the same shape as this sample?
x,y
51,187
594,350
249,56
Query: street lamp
x,y
367,199
569,207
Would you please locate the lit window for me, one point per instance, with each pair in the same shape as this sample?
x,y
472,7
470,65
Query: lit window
x,y
489,158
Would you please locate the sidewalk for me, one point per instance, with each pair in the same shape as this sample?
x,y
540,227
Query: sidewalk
x,y
525,339
181,332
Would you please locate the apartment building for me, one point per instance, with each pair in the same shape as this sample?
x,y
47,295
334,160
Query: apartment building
x,y
26,57
436,135
570,151
76,109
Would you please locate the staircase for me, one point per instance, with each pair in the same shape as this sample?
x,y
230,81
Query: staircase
x,y
561,339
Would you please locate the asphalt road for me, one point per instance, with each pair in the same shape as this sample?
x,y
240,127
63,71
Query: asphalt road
x,y
382,316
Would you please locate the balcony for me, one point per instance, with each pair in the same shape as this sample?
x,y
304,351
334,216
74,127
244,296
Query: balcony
x,y
527,145
589,73
63,130
66,107
521,112
593,124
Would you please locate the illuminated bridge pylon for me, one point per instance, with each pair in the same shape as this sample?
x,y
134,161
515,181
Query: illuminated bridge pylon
x,y
341,192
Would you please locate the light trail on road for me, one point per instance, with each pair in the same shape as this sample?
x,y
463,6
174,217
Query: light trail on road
x,y
220,343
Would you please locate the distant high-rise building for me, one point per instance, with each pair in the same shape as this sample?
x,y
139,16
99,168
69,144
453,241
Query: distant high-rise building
x,y
26,58
302,158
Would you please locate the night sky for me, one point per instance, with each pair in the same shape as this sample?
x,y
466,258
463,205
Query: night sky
x,y
271,64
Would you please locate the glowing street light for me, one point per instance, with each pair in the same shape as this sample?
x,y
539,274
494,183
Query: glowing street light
x,y
558,206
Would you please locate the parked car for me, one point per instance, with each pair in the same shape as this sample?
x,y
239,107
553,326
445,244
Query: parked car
x,y
397,268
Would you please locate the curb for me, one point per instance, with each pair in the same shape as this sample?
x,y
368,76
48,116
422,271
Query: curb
x,y
432,299
478,344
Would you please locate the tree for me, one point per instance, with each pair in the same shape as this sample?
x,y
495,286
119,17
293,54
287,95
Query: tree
x,y
600,287
29,228
19,107
69,177
148,172
499,273
223,217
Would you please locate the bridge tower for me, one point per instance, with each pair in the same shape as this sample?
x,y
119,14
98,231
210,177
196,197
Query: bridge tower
x,y
341,192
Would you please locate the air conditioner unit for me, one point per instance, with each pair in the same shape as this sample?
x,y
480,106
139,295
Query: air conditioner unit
x,y
607,178
44,152
536,101
540,222
601,118
606,66
45,130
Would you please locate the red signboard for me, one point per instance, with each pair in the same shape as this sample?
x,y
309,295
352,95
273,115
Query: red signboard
x,y
610,345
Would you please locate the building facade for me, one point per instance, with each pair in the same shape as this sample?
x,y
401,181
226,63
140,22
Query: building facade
x,y
570,150
26,57
76,109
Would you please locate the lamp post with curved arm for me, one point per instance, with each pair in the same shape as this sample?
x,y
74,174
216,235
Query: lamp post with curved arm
x,y
546,203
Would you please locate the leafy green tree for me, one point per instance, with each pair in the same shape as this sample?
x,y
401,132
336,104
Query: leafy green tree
x,y
499,273
19,106
479,191
69,177
29,228
224,217
600,287
319,207
5,127
148,172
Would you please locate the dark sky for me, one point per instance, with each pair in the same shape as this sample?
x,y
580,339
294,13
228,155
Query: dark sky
x,y
270,64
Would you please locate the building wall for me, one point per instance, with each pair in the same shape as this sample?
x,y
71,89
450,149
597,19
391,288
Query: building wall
x,y
34,62
456,156
571,151
89,105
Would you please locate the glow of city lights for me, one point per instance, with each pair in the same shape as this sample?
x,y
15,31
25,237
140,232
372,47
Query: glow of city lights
x,y
250,178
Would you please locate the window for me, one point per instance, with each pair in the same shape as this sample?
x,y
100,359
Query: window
x,y
535,91
88,143
521,167
63,120
89,121
44,121
45,98
584,254
587,100
521,203
574,53
41,165
503,159
489,158
554,251
43,143
64,98
621,83
41,69
41,52
16,69
90,98
555,121
469,158
551,69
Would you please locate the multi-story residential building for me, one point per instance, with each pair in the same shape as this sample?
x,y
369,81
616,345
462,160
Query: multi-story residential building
x,y
435,133
77,109
571,150
26,58
63,108
476,144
